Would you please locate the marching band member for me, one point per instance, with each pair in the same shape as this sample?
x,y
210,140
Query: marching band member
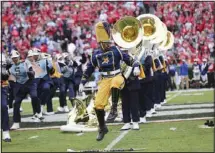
x,y
67,72
130,101
4,108
78,64
168,79
24,74
11,95
146,103
164,79
79,59
45,82
57,83
11,90
69,77
30,60
158,90
107,58
11,87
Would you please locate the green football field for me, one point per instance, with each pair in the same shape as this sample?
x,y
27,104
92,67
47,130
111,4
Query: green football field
x,y
152,137
190,97
172,98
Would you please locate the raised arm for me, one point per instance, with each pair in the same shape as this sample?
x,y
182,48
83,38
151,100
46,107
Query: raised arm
x,y
91,65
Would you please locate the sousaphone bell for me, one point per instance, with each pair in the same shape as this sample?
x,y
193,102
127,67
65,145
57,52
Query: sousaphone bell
x,y
127,32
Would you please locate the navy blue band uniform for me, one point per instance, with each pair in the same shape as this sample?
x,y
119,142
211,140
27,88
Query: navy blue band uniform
x,y
108,63
146,98
4,92
107,59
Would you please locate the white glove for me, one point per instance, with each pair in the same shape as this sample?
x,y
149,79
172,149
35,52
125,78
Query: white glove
x,y
136,71
81,87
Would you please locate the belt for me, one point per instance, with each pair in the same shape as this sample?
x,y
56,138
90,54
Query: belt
x,y
110,73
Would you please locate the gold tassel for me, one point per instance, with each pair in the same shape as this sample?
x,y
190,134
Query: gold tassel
x,y
153,65
164,67
142,73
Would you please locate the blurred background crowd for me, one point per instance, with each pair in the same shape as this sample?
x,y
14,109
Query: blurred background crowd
x,y
52,26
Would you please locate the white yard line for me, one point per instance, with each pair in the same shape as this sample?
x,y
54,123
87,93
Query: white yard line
x,y
115,141
175,95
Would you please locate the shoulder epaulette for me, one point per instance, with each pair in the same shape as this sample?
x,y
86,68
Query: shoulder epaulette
x,y
96,51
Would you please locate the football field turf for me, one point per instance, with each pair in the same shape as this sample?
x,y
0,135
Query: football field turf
x,y
183,97
183,136
152,137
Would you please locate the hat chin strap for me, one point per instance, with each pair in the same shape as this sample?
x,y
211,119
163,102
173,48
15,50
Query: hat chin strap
x,y
102,46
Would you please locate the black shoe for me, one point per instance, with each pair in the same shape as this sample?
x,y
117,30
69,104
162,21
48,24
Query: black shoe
x,y
211,124
102,127
102,133
207,122
7,140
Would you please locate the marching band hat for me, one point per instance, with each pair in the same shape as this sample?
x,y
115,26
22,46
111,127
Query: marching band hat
x,y
102,30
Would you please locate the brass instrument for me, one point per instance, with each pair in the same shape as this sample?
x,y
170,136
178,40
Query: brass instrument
x,y
78,112
82,112
168,43
148,36
138,35
151,26
156,35
127,33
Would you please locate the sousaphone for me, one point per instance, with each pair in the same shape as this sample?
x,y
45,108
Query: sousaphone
x,y
154,32
127,33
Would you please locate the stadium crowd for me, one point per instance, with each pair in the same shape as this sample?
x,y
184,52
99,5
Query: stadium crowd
x,y
51,26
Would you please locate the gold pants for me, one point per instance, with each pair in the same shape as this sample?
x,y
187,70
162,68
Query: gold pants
x,y
104,90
